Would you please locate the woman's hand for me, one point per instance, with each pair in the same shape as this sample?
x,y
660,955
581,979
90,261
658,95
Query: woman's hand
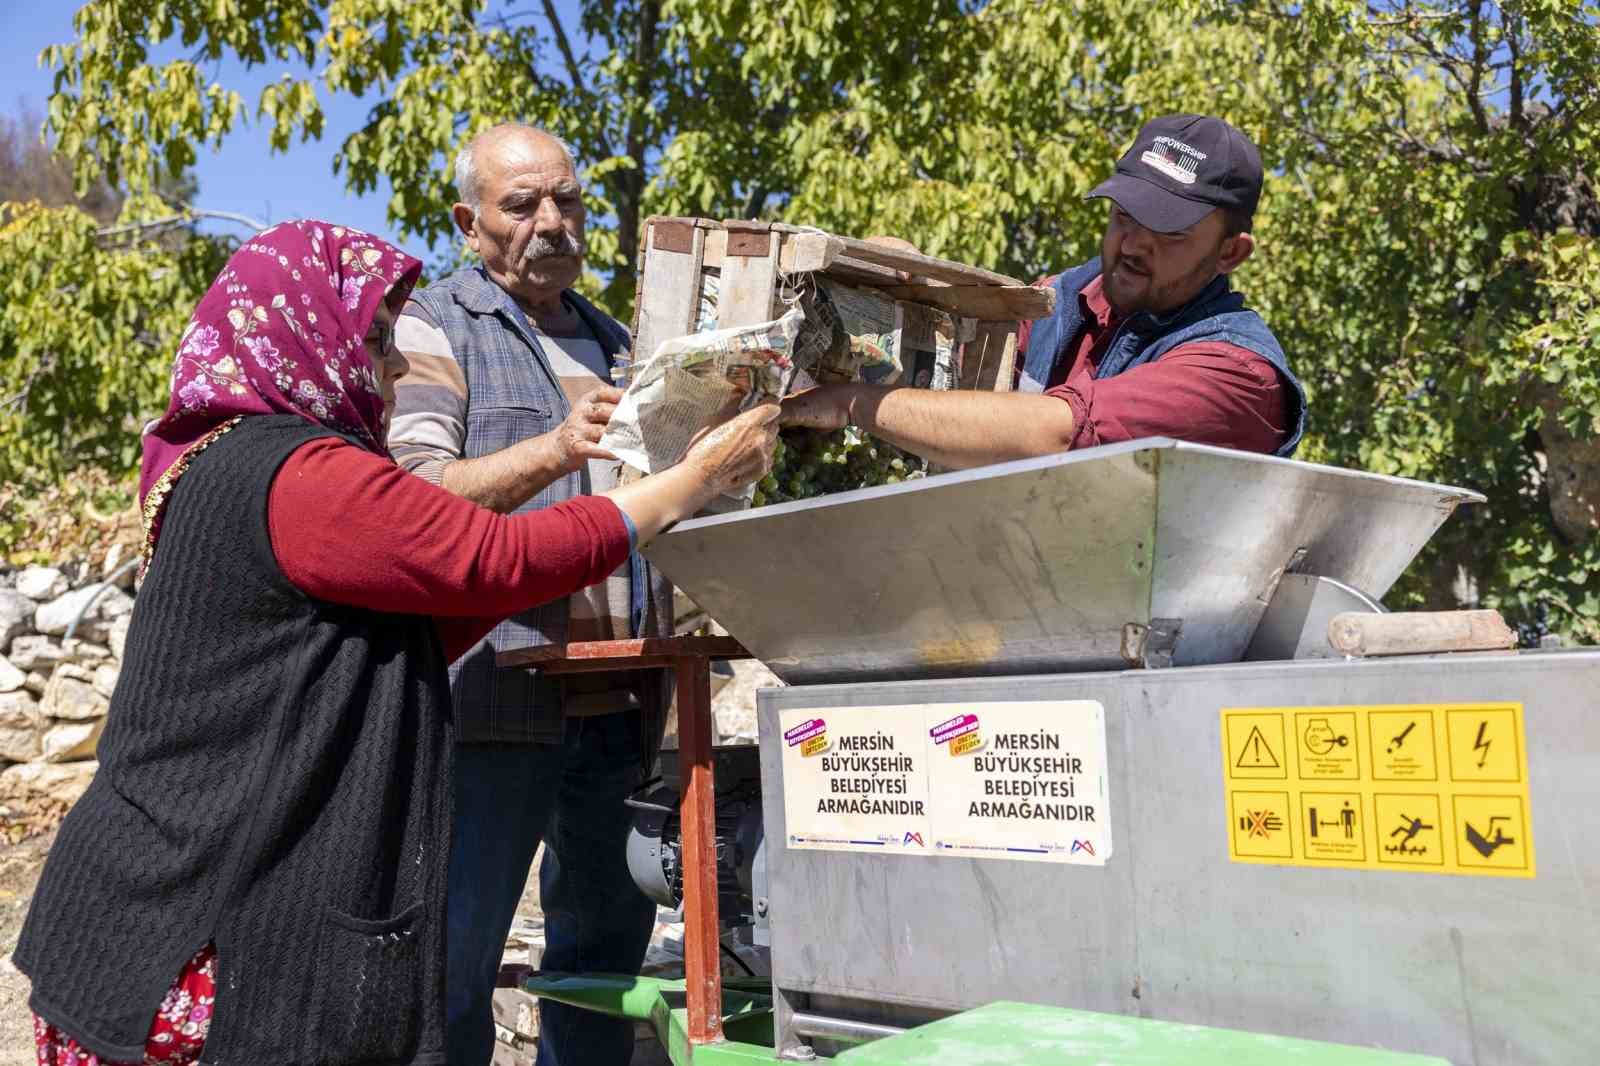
x,y
738,452
722,459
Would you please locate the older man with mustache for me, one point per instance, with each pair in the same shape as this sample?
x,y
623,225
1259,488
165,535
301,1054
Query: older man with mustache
x,y
507,395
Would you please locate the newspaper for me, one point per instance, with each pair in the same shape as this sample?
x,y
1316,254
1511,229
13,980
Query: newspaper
x,y
700,380
930,352
831,333
872,327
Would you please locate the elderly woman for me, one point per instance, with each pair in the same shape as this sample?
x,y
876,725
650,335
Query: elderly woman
x,y
259,866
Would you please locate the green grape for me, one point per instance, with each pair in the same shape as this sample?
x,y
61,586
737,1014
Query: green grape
x,y
809,463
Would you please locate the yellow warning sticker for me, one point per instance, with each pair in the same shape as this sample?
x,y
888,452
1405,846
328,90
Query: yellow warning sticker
x,y
1403,745
1328,744
1261,824
1255,745
1433,788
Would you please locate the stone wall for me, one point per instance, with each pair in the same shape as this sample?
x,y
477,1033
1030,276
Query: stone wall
x,y
55,690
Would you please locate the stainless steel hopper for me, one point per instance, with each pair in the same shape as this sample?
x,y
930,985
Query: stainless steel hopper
x,y
1153,552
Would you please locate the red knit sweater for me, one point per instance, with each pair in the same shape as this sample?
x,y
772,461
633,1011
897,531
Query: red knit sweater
x,y
351,527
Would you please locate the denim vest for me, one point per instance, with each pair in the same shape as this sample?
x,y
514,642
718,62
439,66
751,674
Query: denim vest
x,y
1216,314
513,394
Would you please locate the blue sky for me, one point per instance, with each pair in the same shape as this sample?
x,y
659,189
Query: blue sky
x,y
244,175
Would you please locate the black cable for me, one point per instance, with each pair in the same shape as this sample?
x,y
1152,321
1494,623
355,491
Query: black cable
x,y
734,955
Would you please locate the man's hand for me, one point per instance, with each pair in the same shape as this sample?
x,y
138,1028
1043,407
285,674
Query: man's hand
x,y
577,438
826,407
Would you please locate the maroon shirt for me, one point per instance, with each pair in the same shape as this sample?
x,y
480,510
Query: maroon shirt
x,y
1208,392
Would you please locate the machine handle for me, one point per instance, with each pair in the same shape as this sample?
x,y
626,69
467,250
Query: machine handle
x,y
1419,632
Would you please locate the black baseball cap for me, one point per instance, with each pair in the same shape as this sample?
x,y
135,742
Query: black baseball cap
x,y
1180,169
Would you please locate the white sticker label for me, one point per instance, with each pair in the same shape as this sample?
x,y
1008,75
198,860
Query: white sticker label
x,y
1020,780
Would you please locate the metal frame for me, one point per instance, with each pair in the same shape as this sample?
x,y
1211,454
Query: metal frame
x,y
690,659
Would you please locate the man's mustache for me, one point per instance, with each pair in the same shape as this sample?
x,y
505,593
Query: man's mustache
x,y
544,248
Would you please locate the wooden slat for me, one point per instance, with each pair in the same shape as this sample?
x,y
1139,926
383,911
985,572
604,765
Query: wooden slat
x,y
748,290
984,354
923,265
808,252
716,247
667,305
857,272
1005,373
672,235
988,303
750,239
989,363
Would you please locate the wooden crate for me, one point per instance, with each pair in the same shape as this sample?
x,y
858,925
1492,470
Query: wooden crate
x,y
752,262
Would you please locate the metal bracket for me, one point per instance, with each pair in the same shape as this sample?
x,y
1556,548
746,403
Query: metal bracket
x,y
1151,647
1295,622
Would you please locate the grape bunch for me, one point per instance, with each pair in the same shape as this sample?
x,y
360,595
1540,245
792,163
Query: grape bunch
x,y
810,463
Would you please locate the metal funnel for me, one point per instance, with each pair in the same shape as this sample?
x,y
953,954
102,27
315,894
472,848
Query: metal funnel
x,y
1090,560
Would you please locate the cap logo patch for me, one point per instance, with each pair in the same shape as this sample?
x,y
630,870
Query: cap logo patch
x,y
1173,158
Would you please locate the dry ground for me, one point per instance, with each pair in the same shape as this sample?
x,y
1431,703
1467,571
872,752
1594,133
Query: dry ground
x,y
19,873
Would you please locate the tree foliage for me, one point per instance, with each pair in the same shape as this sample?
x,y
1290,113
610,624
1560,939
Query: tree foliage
x,y
87,325
1427,240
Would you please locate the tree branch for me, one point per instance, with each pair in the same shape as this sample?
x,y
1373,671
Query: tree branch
x,y
574,70
1479,58
631,204
1519,118
756,201
20,400
190,214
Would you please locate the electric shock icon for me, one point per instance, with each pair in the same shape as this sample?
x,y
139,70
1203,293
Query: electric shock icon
x,y
1485,744
1481,744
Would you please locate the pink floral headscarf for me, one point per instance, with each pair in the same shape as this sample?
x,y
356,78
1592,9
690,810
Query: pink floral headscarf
x,y
279,332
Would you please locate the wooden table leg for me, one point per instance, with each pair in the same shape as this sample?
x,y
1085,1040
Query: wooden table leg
x,y
697,812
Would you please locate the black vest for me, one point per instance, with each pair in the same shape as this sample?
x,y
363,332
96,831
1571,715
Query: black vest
x,y
1217,313
274,778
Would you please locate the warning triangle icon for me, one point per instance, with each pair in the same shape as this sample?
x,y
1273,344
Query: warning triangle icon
x,y
1257,753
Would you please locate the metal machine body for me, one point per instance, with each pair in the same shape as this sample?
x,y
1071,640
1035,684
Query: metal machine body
x,y
1480,971
1021,594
